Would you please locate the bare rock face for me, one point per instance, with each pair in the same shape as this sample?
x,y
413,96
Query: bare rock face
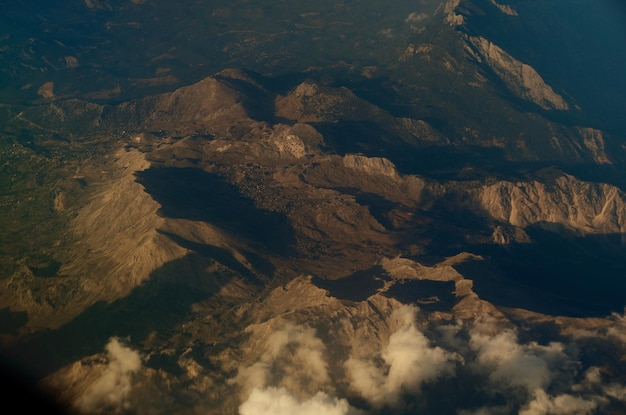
x,y
199,108
450,17
262,255
419,235
376,166
520,78
594,140
588,208
505,8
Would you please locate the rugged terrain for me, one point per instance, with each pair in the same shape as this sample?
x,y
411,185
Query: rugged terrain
x,y
450,248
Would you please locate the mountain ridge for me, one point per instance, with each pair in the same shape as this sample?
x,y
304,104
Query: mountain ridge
x,y
439,231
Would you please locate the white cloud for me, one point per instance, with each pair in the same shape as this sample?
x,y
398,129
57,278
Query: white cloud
x,y
408,361
294,357
415,17
511,364
618,330
292,374
593,383
563,404
292,365
489,410
615,391
109,392
278,401
524,373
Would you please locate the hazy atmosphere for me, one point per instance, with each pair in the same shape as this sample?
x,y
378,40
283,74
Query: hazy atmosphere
x,y
337,207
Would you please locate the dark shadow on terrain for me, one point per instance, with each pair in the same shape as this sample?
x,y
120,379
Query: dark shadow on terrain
x,y
428,295
599,173
436,161
256,99
46,271
378,206
378,91
197,195
457,162
20,394
219,254
558,34
356,287
259,263
365,137
452,230
555,274
11,321
159,305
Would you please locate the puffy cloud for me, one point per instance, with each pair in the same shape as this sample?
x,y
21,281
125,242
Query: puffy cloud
x,y
415,17
489,410
615,391
618,329
511,364
507,376
294,357
278,401
594,384
614,332
563,404
408,361
537,379
109,391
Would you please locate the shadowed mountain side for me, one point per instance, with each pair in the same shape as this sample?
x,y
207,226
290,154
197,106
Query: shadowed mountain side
x,y
197,195
459,161
355,287
553,274
220,254
11,321
19,390
428,295
566,48
257,99
160,305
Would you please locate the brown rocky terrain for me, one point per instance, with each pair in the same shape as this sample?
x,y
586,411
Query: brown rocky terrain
x,y
224,230
240,241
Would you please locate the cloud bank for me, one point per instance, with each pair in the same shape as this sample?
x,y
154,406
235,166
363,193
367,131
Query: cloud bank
x,y
482,367
279,401
539,379
109,391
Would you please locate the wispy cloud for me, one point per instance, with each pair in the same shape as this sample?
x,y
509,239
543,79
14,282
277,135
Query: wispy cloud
x,y
293,356
563,404
290,377
415,17
295,372
406,362
540,379
279,401
511,364
109,391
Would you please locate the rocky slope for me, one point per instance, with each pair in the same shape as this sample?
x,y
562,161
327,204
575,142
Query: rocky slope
x,y
241,241
234,230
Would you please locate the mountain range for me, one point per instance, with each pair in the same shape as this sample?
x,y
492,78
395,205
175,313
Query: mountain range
x,y
353,208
